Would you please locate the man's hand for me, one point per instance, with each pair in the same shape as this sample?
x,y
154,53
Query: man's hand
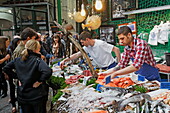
x,y
36,84
7,57
62,64
102,74
113,75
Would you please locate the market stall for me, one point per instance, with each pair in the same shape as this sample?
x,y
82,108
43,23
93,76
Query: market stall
x,y
81,93
79,90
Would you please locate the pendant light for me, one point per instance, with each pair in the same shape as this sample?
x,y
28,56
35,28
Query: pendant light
x,y
98,4
83,12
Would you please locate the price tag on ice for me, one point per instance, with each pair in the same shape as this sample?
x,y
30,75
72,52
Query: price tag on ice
x,y
108,79
141,78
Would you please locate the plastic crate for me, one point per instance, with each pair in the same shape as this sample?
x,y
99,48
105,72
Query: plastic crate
x,y
164,80
165,85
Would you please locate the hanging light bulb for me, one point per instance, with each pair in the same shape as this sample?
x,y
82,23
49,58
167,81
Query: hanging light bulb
x,y
98,4
83,12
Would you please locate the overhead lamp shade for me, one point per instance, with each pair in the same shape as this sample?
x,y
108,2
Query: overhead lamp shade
x,y
93,22
78,17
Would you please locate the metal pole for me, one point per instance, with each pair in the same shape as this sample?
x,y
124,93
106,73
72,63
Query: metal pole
x,y
48,18
59,11
15,21
54,10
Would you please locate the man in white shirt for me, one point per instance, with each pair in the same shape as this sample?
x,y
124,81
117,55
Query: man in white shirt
x,y
100,51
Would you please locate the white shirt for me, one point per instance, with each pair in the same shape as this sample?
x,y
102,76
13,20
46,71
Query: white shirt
x,y
100,53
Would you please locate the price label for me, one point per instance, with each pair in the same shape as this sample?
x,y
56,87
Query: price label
x,y
108,79
141,78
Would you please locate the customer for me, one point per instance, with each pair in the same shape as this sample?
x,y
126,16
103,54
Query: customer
x,y
61,35
32,73
58,47
14,43
139,52
27,34
45,45
99,50
3,83
7,49
44,54
4,86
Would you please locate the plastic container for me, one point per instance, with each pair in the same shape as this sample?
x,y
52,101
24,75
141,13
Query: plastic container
x,y
167,58
164,80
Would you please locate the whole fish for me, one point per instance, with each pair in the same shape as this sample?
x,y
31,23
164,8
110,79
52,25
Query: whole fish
x,y
133,99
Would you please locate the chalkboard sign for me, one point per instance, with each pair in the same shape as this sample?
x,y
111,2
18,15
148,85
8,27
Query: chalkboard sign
x,y
120,6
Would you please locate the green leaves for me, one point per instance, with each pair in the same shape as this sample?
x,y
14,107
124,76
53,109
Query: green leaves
x,y
57,96
141,89
57,83
91,81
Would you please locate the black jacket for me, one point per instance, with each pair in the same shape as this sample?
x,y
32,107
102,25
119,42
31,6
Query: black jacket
x,y
1,65
28,72
61,51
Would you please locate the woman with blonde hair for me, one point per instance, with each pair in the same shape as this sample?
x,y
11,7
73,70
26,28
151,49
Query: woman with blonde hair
x,y
32,73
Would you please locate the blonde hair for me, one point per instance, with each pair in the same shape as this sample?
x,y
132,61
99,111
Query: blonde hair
x,y
31,45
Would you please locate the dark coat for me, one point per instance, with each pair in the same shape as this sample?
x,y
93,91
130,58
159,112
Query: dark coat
x,y
1,66
61,51
28,72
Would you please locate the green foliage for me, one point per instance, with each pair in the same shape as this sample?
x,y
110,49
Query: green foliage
x,y
95,85
57,83
57,96
81,80
91,81
141,89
